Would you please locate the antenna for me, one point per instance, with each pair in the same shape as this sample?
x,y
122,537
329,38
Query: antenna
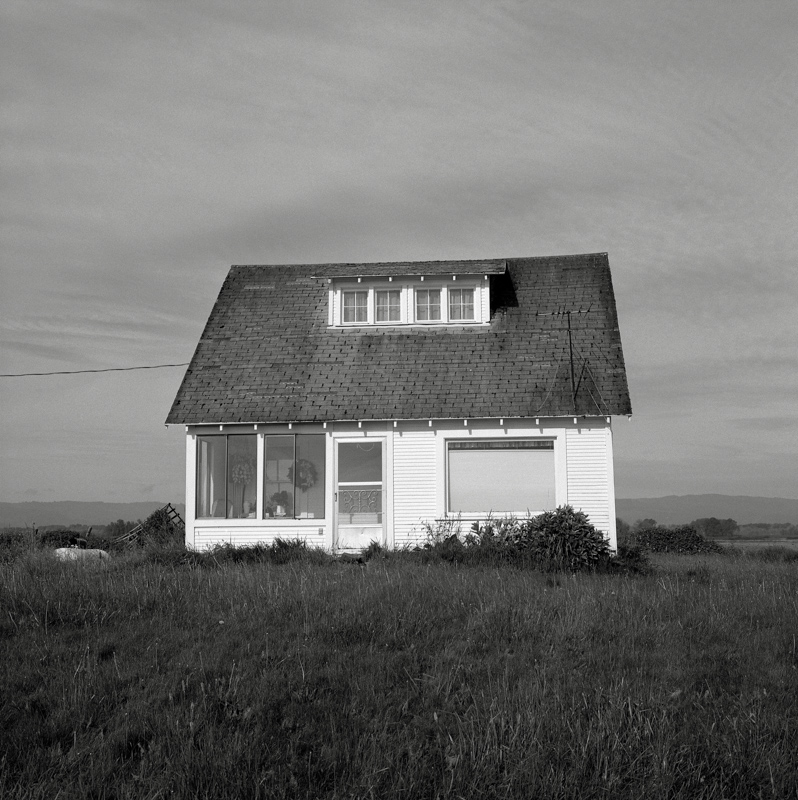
x,y
571,356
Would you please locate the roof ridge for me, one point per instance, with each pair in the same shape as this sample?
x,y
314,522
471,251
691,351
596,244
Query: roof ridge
x,y
425,261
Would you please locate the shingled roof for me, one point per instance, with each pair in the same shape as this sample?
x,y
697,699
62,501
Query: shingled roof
x,y
268,355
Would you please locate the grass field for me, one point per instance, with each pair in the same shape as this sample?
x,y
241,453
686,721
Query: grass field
x,y
147,678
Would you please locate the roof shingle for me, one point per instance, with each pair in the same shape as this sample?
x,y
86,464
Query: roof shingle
x,y
267,354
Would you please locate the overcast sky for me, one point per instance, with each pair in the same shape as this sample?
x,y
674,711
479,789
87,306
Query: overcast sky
x,y
148,145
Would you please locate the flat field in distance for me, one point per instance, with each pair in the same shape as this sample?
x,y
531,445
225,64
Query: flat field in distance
x,y
748,544
148,679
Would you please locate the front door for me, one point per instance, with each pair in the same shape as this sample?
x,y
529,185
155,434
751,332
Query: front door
x,y
360,493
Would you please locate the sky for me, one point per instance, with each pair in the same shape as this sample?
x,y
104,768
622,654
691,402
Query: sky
x,y
146,146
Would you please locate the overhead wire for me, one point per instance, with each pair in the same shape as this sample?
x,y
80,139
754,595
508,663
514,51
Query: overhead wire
x,y
84,371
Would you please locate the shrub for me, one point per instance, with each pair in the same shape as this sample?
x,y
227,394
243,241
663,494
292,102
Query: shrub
x,y
440,530
374,550
555,540
14,542
160,528
565,539
59,538
629,560
679,539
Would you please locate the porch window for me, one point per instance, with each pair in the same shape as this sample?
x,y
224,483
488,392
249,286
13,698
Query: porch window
x,y
500,477
428,305
294,471
356,307
227,485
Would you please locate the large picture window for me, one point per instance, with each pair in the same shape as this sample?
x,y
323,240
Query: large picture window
x,y
293,484
227,468
500,476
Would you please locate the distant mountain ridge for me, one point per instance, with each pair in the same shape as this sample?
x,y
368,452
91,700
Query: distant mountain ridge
x,y
75,512
669,510
681,509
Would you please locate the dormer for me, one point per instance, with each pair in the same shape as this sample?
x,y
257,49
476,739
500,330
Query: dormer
x,y
439,294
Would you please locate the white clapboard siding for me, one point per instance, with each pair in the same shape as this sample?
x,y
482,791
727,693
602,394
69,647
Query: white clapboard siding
x,y
207,537
414,484
588,482
484,299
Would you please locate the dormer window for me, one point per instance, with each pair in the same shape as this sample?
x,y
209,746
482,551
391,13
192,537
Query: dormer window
x,y
459,300
388,305
355,307
461,305
428,305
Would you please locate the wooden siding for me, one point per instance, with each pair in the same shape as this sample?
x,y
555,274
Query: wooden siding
x,y
415,480
414,484
483,293
206,536
588,481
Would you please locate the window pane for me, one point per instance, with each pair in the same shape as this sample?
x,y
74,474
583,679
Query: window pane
x,y
242,473
428,305
360,505
309,483
278,483
211,456
388,306
501,477
356,306
461,304
359,462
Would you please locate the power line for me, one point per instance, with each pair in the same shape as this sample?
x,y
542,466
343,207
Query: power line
x,y
83,371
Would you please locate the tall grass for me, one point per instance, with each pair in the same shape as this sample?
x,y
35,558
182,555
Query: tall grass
x,y
398,679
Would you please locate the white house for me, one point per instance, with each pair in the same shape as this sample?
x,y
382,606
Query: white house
x,y
349,403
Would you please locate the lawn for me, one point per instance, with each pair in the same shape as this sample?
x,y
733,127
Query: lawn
x,y
149,678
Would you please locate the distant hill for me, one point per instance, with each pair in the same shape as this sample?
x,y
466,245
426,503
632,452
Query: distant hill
x,y
681,509
68,512
670,510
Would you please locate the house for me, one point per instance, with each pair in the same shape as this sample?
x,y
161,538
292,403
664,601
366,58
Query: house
x,y
348,403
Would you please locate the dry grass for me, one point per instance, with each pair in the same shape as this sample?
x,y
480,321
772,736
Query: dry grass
x,y
397,679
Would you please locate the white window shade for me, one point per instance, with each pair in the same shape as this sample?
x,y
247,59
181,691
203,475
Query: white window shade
x,y
501,477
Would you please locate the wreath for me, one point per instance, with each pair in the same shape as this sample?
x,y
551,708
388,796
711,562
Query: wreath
x,y
306,474
243,471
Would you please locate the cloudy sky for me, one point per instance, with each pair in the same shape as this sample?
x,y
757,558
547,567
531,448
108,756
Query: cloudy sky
x,y
148,145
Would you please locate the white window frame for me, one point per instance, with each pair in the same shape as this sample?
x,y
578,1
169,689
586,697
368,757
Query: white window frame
x,y
443,301
407,289
471,289
387,289
369,303
559,477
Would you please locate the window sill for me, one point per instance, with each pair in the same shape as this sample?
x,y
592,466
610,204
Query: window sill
x,y
215,522
434,324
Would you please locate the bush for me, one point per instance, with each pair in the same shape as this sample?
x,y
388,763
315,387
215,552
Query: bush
x,y
629,560
14,542
679,539
373,550
160,528
59,538
565,539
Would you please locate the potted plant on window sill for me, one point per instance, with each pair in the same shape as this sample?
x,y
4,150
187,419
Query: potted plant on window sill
x,y
279,504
